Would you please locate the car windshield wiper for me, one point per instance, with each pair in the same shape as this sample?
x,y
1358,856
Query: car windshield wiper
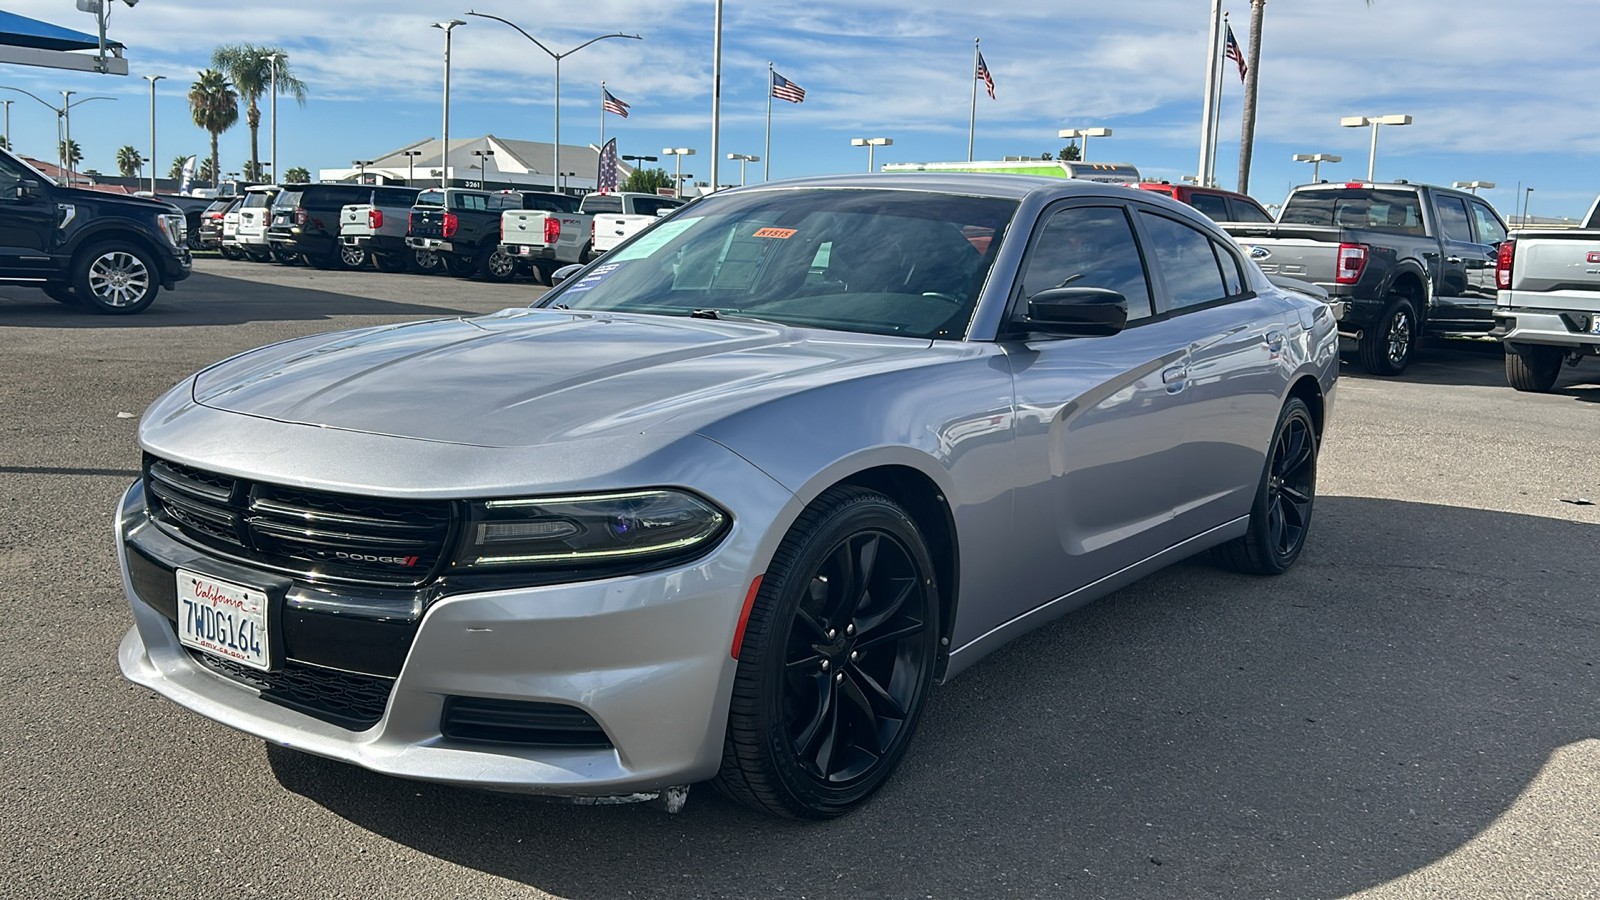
x,y
728,314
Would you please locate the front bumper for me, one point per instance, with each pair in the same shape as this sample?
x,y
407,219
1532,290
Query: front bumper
x,y
646,656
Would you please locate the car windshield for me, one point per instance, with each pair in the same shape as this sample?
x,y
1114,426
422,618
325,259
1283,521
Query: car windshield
x,y
886,262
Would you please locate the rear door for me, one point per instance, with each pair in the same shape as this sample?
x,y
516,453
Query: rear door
x,y
1463,299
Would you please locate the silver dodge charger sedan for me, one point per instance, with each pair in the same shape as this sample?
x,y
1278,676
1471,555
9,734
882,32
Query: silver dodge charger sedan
x,y
725,504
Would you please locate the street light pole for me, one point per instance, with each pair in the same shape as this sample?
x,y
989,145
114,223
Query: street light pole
x,y
272,59
743,158
1374,121
411,166
677,178
66,142
716,93
1083,134
444,166
152,79
1316,160
871,144
8,122
1527,195
556,161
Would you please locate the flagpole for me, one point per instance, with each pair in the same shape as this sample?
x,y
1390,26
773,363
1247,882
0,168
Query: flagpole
x,y
972,122
1216,116
602,115
766,159
1211,89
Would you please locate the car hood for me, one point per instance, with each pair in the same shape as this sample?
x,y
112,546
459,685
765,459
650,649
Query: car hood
x,y
526,377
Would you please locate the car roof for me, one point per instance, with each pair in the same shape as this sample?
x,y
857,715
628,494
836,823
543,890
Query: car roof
x,y
979,184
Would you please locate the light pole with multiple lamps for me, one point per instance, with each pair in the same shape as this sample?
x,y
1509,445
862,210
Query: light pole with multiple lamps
x,y
1474,185
482,165
444,157
66,119
871,144
1083,134
677,177
152,79
743,158
1316,160
1374,122
361,166
556,162
272,59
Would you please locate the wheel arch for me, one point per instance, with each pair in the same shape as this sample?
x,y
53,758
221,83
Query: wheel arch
x,y
1307,388
1411,280
110,233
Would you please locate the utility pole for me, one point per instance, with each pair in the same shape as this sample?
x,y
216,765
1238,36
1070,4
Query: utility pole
x,y
153,79
1248,139
1206,123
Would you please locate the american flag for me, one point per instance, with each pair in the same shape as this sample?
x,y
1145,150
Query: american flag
x,y
983,73
613,105
1234,53
784,89
606,179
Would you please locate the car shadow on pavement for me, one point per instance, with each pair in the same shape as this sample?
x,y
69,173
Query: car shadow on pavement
x,y
1196,734
1476,364
195,303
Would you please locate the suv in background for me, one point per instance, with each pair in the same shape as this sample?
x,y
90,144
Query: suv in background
x,y
305,221
1218,205
255,213
109,252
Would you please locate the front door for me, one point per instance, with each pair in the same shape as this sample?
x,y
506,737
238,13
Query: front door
x,y
27,224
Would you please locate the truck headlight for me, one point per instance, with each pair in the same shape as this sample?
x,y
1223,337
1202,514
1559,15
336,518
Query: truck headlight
x,y
588,529
175,227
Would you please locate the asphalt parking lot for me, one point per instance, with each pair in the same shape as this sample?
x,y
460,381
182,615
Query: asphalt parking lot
x,y
1413,711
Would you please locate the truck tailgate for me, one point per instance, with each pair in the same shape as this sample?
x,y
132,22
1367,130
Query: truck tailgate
x,y
1557,262
427,221
356,220
1301,258
611,229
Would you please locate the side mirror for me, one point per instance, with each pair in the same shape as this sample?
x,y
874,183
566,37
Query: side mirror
x,y
563,273
665,211
26,191
1077,312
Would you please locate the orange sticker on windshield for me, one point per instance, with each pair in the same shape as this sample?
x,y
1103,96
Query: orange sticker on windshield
x,y
779,233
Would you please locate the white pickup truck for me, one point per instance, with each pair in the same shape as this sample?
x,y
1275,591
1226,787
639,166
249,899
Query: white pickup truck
x,y
1547,309
618,217
545,234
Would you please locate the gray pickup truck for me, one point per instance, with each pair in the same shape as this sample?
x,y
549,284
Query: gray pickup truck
x,y
379,229
1548,307
1406,260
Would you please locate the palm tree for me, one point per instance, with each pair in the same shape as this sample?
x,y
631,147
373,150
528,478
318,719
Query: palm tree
x,y
246,65
215,108
129,162
71,152
297,175
176,171
207,171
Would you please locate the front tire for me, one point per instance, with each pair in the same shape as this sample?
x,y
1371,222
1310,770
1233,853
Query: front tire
x,y
115,279
836,662
1387,347
1535,368
61,293
1281,514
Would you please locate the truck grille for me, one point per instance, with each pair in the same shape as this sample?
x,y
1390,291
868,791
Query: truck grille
x,y
315,534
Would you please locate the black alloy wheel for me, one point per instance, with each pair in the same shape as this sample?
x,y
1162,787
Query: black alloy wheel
x,y
837,660
1281,514
1387,346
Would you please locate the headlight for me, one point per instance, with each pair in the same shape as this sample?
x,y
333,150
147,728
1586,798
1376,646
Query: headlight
x,y
556,532
176,228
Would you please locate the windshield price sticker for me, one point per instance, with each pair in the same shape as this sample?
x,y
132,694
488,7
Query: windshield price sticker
x,y
600,273
781,234
223,619
657,237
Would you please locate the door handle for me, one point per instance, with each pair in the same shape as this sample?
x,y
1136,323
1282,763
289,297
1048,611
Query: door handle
x,y
1452,259
1275,341
1175,375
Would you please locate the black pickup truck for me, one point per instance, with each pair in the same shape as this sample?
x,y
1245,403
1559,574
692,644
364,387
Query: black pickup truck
x,y
463,228
1405,260
107,252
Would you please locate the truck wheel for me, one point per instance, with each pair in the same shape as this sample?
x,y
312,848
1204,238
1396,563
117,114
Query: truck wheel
x,y
388,262
497,265
115,279
347,257
1387,346
540,272
1534,369
426,262
460,266
587,254
61,293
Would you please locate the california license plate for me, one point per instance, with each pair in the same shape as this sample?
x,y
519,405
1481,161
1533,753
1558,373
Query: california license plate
x,y
224,619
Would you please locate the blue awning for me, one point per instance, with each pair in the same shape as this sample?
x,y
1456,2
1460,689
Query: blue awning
x,y
21,31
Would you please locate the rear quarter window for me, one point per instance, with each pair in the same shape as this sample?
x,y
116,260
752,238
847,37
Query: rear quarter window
x,y
1214,206
1245,211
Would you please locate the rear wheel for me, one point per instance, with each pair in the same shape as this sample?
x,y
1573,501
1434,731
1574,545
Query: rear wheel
x,y
231,252
1281,514
262,254
460,266
497,265
836,662
1534,368
348,257
115,279
540,272
389,262
1387,346
426,262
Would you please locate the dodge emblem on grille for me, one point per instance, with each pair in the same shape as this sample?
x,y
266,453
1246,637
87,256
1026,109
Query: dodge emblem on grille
x,y
368,557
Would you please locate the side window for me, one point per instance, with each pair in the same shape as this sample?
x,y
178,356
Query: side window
x,y
11,175
1215,207
1232,275
1090,246
1187,261
1245,211
1490,231
1453,219
477,202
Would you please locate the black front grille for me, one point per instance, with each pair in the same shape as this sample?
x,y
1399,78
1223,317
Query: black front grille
x,y
342,698
316,534
526,722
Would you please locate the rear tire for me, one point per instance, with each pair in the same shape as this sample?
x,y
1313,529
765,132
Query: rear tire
x,y
460,266
232,252
387,262
425,262
497,265
1281,514
115,279
836,661
1535,368
540,272
1387,347
262,254
350,258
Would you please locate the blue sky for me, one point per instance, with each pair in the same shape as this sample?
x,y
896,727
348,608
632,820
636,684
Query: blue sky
x,y
1500,92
